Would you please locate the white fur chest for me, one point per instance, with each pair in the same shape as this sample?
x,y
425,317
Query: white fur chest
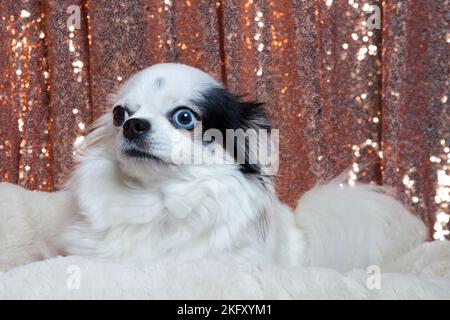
x,y
196,216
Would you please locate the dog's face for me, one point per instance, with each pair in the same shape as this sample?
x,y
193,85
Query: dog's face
x,y
172,115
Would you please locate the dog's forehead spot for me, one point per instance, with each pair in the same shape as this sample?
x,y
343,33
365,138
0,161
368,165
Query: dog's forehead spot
x,y
159,83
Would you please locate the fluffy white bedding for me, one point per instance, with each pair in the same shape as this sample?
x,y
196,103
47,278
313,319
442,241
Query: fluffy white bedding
x,y
428,277
28,218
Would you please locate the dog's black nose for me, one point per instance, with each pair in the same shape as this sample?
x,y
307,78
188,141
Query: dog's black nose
x,y
134,128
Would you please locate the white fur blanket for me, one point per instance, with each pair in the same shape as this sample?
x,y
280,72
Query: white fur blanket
x,y
27,218
428,277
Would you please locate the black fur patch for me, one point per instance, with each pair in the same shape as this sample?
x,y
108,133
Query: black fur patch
x,y
222,110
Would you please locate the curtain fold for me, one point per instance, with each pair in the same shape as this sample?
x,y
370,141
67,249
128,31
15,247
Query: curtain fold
x,y
345,97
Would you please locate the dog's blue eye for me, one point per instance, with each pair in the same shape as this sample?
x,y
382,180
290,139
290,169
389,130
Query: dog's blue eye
x,y
184,118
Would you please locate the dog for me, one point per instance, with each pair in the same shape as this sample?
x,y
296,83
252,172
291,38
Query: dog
x,y
139,192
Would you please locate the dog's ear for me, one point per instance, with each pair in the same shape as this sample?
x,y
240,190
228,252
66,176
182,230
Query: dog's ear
x,y
241,123
255,126
255,118
99,133
252,114
223,110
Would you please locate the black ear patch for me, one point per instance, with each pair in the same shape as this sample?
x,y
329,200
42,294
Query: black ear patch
x,y
222,110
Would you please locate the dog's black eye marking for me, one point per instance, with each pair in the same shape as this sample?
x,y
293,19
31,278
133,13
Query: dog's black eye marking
x,y
223,110
119,115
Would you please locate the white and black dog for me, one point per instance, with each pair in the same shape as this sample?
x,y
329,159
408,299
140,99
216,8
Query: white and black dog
x,y
133,198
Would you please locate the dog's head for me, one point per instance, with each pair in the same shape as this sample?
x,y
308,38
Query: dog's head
x,y
172,115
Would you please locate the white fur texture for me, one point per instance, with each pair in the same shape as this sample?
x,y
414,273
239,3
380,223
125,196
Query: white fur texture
x,y
137,210
142,211
30,223
425,275
421,273
353,227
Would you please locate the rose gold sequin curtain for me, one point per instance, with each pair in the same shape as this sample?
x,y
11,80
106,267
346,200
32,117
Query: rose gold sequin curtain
x,y
345,97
